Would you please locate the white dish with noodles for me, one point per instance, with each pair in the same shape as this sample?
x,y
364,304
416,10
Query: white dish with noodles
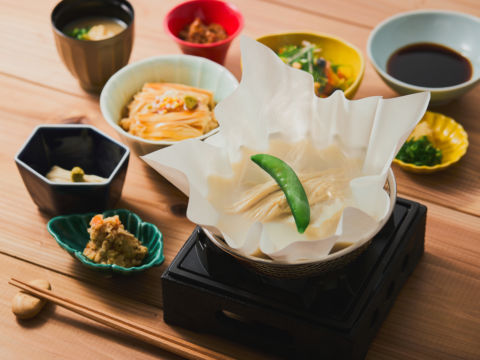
x,y
190,71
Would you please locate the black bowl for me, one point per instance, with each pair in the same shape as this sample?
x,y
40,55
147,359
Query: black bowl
x,y
68,146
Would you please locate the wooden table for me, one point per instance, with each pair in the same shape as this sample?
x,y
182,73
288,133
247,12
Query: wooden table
x,y
437,314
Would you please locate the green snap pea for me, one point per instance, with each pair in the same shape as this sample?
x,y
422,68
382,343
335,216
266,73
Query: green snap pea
x,y
291,186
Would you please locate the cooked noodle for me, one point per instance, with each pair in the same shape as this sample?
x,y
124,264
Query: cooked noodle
x,y
172,112
265,202
249,194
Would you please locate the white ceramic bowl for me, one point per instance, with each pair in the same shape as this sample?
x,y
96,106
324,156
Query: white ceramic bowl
x,y
455,30
182,69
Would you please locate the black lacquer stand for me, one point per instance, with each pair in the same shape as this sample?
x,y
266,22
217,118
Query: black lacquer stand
x,y
330,317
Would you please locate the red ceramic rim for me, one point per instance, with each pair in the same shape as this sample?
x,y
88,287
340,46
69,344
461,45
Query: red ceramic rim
x,y
237,13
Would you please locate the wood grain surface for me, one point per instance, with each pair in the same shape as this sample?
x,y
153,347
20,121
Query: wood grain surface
x,y
367,14
437,314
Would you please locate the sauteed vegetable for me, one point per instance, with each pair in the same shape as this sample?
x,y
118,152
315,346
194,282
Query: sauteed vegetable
x,y
327,77
293,189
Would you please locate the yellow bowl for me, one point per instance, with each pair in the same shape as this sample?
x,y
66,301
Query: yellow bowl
x,y
445,134
334,50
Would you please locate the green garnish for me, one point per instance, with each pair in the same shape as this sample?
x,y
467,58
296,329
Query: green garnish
x,y
77,174
327,77
291,186
335,68
420,152
191,102
79,33
288,51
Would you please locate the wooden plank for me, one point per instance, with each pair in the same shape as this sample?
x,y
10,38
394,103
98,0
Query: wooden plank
x,y
367,13
457,187
145,192
460,182
36,50
59,333
261,18
435,316
33,56
450,266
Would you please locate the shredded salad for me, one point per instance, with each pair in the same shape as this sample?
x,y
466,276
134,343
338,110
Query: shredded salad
x,y
327,77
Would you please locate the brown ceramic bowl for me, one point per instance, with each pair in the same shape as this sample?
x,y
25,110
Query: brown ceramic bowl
x,y
93,62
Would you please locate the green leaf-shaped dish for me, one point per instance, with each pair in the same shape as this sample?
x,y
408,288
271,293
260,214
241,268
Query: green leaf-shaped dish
x,y
70,232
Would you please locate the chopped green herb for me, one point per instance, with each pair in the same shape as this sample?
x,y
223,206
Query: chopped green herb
x,y
79,33
420,152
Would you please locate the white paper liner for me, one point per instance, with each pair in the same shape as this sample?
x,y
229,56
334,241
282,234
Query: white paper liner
x,y
275,100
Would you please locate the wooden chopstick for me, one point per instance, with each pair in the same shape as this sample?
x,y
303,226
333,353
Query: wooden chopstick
x,y
167,342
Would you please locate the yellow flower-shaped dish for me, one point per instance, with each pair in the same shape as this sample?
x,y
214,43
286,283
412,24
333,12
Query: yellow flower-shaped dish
x,y
445,134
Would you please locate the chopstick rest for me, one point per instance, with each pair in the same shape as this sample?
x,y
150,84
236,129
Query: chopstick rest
x,y
27,306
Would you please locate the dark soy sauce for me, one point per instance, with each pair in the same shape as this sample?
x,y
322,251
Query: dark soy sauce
x,y
429,65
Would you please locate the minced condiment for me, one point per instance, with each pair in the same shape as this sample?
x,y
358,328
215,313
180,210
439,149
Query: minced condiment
x,y
200,33
111,243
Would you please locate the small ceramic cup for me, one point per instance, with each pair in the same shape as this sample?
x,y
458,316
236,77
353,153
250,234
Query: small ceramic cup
x,y
93,62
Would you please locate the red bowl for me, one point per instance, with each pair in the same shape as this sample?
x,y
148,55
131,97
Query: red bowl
x,y
209,11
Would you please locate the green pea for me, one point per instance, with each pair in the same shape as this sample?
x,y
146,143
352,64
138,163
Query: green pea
x,y
79,33
77,174
291,186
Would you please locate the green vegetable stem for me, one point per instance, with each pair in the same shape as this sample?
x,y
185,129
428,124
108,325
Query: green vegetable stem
x,y
326,76
291,186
